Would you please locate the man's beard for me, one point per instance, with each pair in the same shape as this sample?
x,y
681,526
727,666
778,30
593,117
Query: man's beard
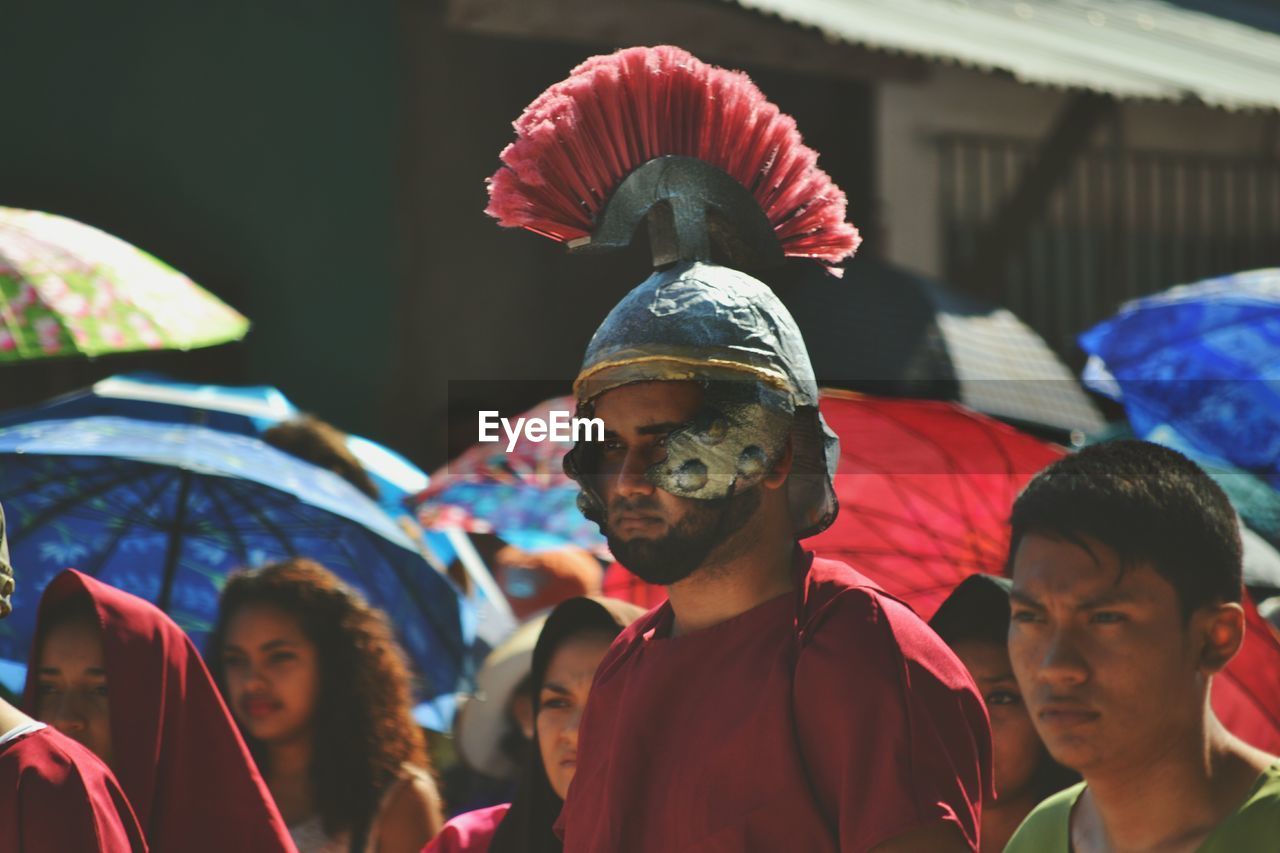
x,y
673,557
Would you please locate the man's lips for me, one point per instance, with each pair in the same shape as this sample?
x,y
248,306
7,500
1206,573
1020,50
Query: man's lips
x,y
1066,714
633,521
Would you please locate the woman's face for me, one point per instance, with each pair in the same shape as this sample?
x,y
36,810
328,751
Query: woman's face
x,y
271,673
1018,749
71,685
561,700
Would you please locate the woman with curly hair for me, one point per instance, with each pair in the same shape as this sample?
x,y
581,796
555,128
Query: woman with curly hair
x,y
321,692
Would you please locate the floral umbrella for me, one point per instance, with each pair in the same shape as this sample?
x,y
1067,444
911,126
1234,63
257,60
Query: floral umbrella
x,y
69,289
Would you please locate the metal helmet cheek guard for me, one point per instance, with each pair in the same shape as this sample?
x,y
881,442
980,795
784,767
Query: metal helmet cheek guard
x,y
723,182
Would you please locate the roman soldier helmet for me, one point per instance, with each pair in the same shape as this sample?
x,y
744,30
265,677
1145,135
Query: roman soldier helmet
x,y
725,188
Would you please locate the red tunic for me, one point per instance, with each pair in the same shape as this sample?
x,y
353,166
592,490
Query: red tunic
x,y
470,832
176,750
59,797
832,719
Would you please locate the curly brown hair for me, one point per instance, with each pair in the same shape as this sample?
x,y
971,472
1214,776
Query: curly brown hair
x,y
364,728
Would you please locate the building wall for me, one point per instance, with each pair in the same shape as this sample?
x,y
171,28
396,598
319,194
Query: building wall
x,y
910,115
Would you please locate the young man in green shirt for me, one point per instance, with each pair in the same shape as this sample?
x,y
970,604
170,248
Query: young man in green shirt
x,y
1126,566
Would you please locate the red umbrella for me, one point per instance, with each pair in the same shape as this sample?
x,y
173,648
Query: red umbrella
x,y
925,491
1246,695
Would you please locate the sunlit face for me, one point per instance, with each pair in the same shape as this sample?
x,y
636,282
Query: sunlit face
x,y
271,674
660,537
1018,750
563,696
71,685
1103,654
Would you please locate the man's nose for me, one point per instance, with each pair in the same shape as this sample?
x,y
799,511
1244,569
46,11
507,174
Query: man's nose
x,y
631,480
1061,661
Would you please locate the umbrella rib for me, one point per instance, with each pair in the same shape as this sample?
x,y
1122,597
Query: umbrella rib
x,y
174,551
233,494
69,502
215,498
106,553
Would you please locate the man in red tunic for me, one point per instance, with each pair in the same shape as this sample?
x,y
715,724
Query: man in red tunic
x,y
55,795
776,702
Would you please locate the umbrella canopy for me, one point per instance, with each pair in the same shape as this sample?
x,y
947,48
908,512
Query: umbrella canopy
x,y
68,289
1202,360
243,409
523,495
166,511
890,332
925,492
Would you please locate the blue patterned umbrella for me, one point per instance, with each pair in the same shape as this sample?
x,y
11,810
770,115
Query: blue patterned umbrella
x,y
247,409
165,511
1202,360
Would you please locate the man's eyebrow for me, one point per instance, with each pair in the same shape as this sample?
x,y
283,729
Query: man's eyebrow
x,y
1024,599
1107,599
556,688
658,429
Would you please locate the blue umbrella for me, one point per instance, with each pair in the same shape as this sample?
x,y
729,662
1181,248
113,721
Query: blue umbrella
x,y
248,410
1203,361
166,511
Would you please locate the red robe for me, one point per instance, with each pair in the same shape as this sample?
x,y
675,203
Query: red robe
x,y
177,752
829,719
59,797
469,832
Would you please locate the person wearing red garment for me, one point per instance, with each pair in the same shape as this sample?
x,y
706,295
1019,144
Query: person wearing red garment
x,y
573,640
776,701
57,795
113,672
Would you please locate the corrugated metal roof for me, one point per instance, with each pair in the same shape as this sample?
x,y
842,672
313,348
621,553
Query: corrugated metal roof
x,y
1129,48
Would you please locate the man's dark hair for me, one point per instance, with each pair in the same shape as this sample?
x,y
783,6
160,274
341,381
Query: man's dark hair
x,y
1148,504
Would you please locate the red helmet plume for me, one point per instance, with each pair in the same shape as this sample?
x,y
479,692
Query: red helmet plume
x,y
580,138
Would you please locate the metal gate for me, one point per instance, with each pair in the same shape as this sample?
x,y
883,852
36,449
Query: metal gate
x,y
1121,224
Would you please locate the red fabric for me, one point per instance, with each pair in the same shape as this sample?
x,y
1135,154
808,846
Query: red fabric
x,y
1246,695
178,754
925,492
470,832
59,797
832,719
620,583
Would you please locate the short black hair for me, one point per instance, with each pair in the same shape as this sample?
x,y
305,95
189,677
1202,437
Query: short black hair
x,y
1148,504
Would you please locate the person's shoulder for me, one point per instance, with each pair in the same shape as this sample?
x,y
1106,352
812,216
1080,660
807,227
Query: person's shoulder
x,y
410,811
1047,829
1257,820
631,638
470,831
838,598
46,756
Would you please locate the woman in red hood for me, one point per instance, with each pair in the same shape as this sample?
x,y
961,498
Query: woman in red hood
x,y
115,673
